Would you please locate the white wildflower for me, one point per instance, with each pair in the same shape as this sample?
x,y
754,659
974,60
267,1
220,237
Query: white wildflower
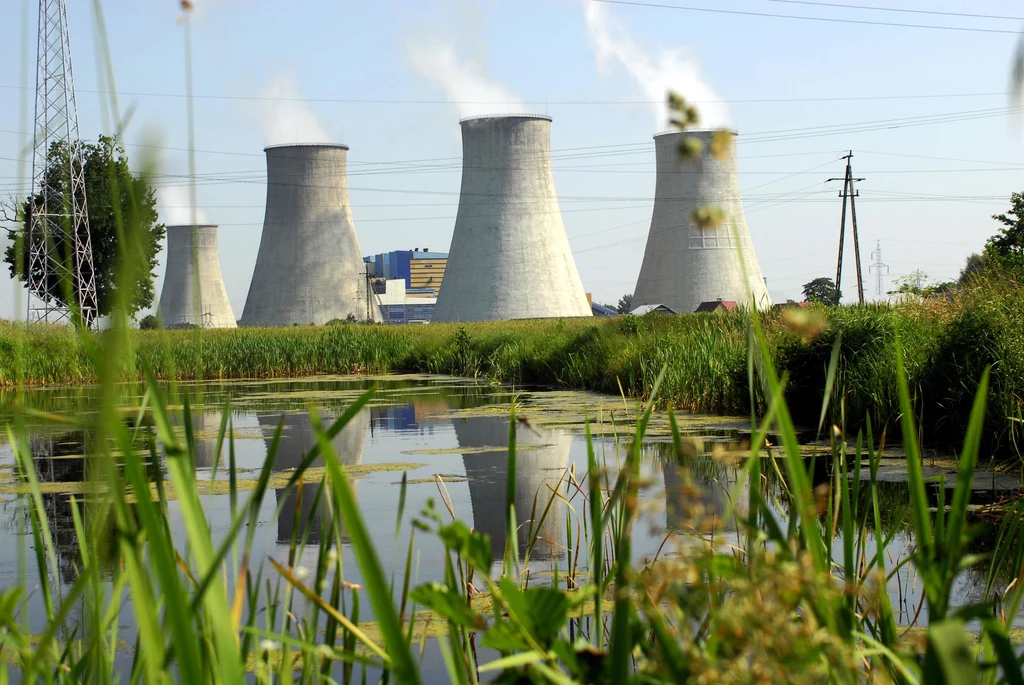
x,y
269,646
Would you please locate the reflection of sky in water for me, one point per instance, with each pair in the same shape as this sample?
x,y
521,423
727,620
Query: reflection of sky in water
x,y
415,428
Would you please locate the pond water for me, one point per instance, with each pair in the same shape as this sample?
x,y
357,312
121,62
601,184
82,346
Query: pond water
x,y
430,427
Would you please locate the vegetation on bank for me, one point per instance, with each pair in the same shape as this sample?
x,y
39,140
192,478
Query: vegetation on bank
x,y
208,608
947,344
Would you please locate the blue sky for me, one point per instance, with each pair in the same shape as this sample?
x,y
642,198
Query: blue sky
x,y
383,77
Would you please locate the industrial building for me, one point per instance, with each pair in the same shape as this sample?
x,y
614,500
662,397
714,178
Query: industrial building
x,y
420,269
400,305
309,269
684,263
509,257
193,292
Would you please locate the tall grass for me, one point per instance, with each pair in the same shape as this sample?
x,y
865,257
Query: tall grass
x,y
208,609
703,357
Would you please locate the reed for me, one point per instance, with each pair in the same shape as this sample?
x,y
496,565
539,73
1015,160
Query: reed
x,y
704,358
207,609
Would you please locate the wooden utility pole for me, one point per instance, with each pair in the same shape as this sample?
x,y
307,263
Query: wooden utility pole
x,y
848,192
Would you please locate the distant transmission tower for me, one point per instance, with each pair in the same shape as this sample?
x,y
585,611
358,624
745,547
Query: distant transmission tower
x,y
878,267
61,283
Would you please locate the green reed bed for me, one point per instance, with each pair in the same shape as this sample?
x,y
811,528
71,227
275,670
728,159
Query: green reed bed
x,y
705,357
765,607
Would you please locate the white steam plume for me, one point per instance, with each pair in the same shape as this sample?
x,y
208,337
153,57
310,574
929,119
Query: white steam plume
x,y
285,118
464,83
656,74
172,203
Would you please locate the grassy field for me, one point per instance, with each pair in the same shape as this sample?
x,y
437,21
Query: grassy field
x,y
946,344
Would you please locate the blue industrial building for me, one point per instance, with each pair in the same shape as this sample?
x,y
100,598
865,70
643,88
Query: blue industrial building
x,y
418,268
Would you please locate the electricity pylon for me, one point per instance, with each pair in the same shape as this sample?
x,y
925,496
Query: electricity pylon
x,y
61,281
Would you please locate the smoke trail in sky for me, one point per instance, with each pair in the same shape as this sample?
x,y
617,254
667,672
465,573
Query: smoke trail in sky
x,y
655,73
174,207
464,82
285,118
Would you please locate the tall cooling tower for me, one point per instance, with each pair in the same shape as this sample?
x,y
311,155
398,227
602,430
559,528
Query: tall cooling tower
x,y
193,292
509,257
309,269
684,264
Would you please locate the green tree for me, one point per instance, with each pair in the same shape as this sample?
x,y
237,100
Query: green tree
x,y
148,323
916,283
975,265
115,198
1006,248
822,291
625,304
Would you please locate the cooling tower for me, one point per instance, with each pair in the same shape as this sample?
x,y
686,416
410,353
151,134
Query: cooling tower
x,y
684,264
297,439
309,269
193,293
542,464
509,257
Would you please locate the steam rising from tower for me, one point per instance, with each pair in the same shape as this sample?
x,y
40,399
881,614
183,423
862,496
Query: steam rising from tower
x,y
510,257
686,264
193,293
309,269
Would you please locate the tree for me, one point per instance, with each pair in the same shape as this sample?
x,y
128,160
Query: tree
x,y
1006,248
148,323
822,291
975,265
625,304
122,220
916,283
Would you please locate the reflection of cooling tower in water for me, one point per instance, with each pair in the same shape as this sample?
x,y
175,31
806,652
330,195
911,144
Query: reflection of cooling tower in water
x,y
704,500
686,264
535,470
193,293
297,439
309,269
510,257
205,426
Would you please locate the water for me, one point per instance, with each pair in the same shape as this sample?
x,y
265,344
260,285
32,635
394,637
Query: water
x,y
430,427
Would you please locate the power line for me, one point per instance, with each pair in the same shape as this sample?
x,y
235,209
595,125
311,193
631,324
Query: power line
x,y
596,103
832,20
585,152
901,10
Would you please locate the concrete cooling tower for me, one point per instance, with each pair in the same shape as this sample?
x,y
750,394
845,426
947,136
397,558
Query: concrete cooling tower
x,y
685,264
542,465
193,293
309,269
510,257
297,438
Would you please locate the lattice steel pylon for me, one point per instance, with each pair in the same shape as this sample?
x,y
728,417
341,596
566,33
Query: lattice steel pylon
x,y
878,266
61,281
